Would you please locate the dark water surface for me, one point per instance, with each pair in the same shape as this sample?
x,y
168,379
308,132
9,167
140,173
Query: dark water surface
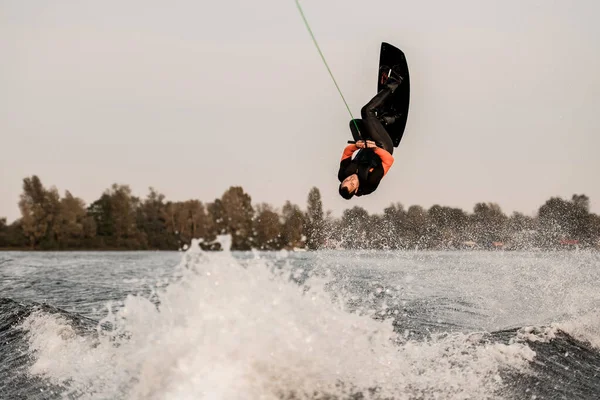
x,y
322,325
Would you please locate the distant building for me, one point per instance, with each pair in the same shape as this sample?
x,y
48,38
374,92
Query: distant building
x,y
469,244
569,243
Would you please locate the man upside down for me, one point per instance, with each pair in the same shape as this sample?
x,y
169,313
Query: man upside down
x,y
360,175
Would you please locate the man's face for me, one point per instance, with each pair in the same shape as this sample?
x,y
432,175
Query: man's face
x,y
351,182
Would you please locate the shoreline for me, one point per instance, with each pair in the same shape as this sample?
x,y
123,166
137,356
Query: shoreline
x,y
114,250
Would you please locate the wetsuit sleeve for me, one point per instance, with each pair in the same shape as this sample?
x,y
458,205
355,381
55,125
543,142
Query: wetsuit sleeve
x,y
373,180
343,165
386,159
348,151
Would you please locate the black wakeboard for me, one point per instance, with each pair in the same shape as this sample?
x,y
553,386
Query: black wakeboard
x,y
392,62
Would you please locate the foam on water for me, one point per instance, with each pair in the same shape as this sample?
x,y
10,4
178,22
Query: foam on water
x,y
585,328
227,330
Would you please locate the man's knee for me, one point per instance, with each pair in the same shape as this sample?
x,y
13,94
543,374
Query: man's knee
x,y
367,111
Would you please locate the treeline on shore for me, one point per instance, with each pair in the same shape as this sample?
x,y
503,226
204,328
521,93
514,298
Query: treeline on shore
x,y
118,220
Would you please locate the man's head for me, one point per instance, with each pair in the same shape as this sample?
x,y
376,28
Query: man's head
x,y
349,186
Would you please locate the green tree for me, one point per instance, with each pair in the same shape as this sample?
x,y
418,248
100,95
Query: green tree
x,y
447,226
3,233
518,222
39,208
582,219
355,228
188,220
217,216
561,219
201,223
416,227
520,231
392,227
487,224
315,223
379,234
115,215
595,230
12,235
101,212
151,221
332,231
554,218
238,215
267,228
72,224
292,230
120,220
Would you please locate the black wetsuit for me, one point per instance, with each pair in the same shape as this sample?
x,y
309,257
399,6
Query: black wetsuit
x,y
367,164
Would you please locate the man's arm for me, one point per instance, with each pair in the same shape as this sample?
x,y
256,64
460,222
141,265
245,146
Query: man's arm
x,y
348,151
373,179
343,165
386,159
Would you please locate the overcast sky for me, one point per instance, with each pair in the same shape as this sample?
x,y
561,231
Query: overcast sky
x,y
192,97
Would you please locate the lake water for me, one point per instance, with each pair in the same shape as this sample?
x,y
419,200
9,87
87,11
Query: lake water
x,y
300,325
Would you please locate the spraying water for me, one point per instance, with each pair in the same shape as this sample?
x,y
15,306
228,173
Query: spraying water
x,y
253,327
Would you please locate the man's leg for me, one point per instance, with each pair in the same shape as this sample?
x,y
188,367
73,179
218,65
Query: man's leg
x,y
372,124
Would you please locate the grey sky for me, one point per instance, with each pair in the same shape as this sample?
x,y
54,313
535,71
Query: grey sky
x,y
193,97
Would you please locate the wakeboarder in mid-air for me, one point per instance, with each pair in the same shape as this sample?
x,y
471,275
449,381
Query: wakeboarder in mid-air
x,y
368,159
360,175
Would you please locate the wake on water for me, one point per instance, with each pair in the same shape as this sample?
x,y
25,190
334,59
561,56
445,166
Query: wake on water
x,y
231,328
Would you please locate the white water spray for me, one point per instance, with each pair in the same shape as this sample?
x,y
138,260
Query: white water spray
x,y
227,330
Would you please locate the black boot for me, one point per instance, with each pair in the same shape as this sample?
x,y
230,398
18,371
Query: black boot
x,y
392,86
387,120
389,75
